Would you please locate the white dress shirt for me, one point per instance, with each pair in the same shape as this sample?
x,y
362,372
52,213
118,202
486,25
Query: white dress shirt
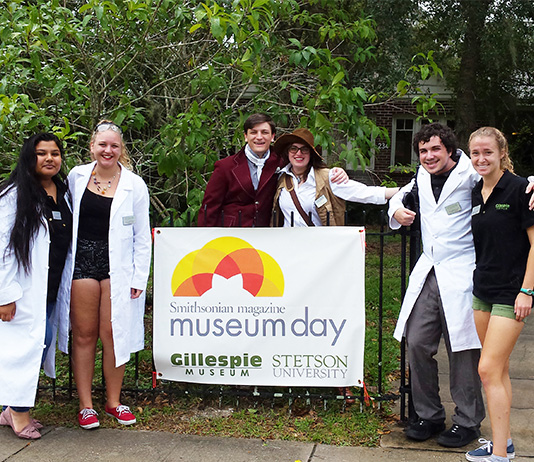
x,y
352,191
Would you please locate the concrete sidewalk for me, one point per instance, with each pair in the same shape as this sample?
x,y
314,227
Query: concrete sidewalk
x,y
68,444
522,415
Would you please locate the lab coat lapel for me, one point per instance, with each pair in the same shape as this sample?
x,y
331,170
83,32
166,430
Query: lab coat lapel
x,y
80,186
426,196
123,188
454,180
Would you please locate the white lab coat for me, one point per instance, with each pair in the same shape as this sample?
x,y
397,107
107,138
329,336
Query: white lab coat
x,y
448,248
22,339
129,254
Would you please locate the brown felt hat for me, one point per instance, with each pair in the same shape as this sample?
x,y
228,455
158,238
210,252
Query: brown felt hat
x,y
300,135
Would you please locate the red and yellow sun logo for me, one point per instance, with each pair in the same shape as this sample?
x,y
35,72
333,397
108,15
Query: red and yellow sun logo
x,y
228,257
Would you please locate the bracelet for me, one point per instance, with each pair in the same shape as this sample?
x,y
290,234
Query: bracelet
x,y
527,291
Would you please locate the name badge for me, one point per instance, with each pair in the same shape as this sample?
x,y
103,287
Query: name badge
x,y
320,201
453,208
56,215
475,211
129,220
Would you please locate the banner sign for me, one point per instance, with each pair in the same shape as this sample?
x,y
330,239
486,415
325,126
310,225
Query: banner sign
x,y
251,306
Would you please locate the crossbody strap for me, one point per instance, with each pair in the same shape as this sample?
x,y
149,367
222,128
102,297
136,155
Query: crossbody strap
x,y
293,194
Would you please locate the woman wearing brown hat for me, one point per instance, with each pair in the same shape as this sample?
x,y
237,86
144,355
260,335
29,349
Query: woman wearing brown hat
x,y
306,196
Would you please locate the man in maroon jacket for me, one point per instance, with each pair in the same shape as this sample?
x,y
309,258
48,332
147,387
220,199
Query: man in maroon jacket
x,y
241,189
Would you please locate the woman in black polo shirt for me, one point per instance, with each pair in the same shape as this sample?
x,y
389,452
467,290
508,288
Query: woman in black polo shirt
x,y
35,233
503,232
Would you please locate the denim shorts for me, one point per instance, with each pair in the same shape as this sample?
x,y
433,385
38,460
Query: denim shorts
x,y
92,260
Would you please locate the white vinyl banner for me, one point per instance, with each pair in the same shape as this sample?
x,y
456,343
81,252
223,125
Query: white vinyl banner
x,y
263,306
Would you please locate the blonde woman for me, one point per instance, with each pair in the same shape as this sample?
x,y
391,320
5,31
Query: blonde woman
x,y
503,232
112,245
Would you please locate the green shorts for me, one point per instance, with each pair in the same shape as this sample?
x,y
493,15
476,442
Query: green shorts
x,y
496,309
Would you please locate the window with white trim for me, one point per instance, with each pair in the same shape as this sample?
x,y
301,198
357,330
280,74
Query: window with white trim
x,y
401,142
403,130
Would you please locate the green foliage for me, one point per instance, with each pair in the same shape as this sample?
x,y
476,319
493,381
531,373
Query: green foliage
x,y
399,168
423,68
389,182
391,302
205,417
180,79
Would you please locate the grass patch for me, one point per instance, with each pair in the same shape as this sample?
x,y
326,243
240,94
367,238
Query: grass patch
x,y
195,416
391,302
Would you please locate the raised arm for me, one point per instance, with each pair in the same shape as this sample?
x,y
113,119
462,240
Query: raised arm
x,y
390,192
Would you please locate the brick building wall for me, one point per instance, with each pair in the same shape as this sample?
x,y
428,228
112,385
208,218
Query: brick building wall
x,y
384,116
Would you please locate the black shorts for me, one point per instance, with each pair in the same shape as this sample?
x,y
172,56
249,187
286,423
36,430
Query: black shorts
x,y
92,260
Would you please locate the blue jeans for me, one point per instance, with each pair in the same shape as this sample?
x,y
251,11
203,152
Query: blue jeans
x,y
50,309
16,409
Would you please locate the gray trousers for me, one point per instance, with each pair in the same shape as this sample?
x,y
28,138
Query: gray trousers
x,y
424,329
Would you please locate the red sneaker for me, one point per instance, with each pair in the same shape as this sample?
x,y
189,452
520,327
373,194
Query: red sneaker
x,y
122,414
87,418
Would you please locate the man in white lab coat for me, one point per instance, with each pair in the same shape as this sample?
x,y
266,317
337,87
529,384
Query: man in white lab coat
x,y
438,301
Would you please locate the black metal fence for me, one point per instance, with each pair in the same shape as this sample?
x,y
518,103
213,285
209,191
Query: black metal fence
x,y
141,379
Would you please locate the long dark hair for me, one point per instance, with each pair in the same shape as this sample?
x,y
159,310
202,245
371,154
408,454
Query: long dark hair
x,y
31,198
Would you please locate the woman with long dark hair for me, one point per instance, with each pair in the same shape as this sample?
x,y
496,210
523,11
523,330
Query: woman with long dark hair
x,y
35,230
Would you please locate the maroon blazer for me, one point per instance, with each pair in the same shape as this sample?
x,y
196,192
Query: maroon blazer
x,y
230,199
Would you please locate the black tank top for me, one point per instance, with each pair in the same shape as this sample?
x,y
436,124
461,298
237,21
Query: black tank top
x,y
94,216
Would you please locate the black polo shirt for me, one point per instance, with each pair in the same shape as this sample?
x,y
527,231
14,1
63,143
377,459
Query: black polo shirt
x,y
501,242
59,218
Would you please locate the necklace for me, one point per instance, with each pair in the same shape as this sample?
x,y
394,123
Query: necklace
x,y
102,186
299,178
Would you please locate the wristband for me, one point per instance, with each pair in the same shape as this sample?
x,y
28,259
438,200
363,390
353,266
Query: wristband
x,y
527,291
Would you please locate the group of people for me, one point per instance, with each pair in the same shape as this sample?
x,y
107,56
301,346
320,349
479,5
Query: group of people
x,y
472,285
281,184
76,254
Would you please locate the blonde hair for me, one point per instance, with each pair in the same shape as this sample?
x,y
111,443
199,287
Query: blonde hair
x,y
124,157
502,143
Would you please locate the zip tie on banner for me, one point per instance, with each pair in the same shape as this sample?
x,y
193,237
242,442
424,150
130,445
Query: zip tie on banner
x,y
366,397
154,377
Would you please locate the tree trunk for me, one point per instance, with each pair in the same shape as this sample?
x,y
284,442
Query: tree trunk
x,y
474,14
